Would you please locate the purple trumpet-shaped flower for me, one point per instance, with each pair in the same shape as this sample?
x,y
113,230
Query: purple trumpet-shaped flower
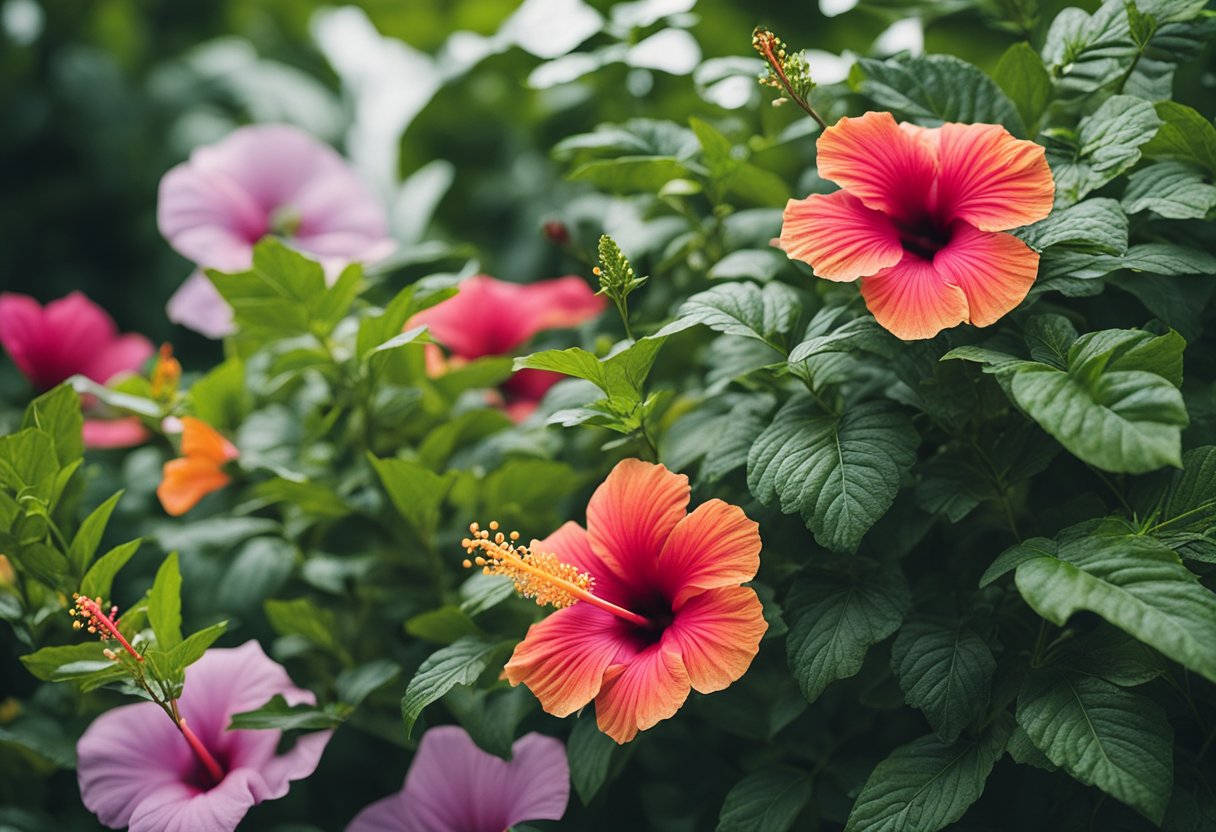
x,y
269,179
454,786
137,769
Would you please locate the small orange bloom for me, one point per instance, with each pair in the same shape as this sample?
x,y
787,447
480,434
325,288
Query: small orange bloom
x,y
200,469
650,601
917,219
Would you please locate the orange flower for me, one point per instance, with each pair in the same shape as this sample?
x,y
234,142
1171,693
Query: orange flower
x,y
917,220
650,598
200,469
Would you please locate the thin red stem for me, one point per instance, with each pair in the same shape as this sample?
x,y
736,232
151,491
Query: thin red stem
x,y
204,756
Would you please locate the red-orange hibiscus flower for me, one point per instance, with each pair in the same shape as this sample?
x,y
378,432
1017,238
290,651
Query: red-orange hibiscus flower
x,y
917,219
651,600
496,317
199,470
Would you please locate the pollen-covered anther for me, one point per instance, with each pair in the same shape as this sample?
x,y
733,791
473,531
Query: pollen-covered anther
x,y
537,575
91,617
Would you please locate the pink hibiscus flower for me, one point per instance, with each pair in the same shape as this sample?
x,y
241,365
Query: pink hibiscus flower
x,y
649,597
73,336
454,786
260,180
918,218
137,769
496,317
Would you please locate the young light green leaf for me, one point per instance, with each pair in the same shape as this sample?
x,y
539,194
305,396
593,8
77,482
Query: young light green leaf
x,y
841,472
1185,135
98,580
1021,74
945,670
57,413
461,663
416,491
88,536
278,715
165,604
1102,735
834,618
1136,583
927,784
765,801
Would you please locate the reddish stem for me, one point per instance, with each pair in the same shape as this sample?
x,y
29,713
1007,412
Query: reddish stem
x,y
204,756
108,624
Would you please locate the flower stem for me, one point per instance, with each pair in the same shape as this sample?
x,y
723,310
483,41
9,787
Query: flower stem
x,y
200,751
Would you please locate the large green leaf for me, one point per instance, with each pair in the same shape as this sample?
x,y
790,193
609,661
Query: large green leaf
x,y
931,89
841,472
1097,224
57,413
927,784
461,663
1107,144
417,492
834,618
1136,583
1173,190
766,801
621,375
944,670
766,313
1103,735
1184,136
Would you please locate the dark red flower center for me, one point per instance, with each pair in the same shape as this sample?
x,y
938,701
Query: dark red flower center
x,y
924,235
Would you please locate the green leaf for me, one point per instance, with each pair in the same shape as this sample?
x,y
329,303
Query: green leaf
x,y
630,174
1137,584
930,89
482,592
1015,556
1184,136
1107,144
192,648
355,684
765,801
1180,501
301,617
416,491
57,414
277,714
756,264
591,754
1085,53
841,472
1173,190
945,670
1097,225
927,784
442,626
732,174
397,341
490,717
220,398
766,314
834,618
70,663
1021,74
1023,751
165,604
622,375
88,536
472,426
1102,735
98,580
461,663
27,460
45,563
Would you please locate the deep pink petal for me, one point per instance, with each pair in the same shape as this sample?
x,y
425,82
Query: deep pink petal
x,y
563,657
839,237
714,546
197,305
124,354
889,169
913,300
630,516
560,303
717,634
125,432
994,270
22,334
642,692
990,179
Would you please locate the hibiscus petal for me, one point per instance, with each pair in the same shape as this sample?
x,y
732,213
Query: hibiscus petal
x,y
201,440
186,481
21,334
209,218
913,301
484,318
639,694
538,780
559,303
889,169
631,514
183,808
126,432
718,634
198,305
994,270
563,658
714,546
839,237
572,545
990,179
125,354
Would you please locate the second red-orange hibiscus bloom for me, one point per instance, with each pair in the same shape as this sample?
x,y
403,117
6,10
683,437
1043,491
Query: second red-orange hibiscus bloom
x,y
650,598
918,220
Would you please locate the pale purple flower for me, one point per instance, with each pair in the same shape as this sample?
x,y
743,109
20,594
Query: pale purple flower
x,y
454,786
136,769
260,180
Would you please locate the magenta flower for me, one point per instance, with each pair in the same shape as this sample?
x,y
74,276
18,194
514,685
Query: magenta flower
x,y
136,768
260,180
454,786
496,317
73,336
